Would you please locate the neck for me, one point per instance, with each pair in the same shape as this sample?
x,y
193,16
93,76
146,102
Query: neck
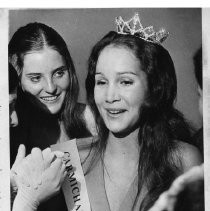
x,y
124,146
121,158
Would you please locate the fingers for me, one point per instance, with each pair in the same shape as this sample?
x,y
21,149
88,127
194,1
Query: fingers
x,y
48,157
179,184
56,164
57,169
38,164
164,202
159,204
63,167
167,199
22,175
13,181
17,174
37,158
31,168
63,172
20,154
59,154
46,152
195,173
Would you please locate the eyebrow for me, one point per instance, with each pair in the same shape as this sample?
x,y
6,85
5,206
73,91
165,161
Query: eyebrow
x,y
33,74
98,73
123,73
62,68
119,73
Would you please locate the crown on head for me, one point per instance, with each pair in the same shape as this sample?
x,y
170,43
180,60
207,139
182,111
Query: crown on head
x,y
134,27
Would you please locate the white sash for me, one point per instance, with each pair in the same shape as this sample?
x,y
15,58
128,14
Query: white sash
x,y
74,186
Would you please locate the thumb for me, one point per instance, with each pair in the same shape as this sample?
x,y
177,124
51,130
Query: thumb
x,y
13,181
21,154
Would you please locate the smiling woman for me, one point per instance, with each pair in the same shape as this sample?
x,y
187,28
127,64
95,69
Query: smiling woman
x,y
47,95
131,88
143,141
45,78
120,88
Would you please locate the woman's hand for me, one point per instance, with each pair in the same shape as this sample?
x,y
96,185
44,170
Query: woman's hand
x,y
37,177
19,157
167,200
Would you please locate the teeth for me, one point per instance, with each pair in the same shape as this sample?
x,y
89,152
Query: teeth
x,y
114,112
49,98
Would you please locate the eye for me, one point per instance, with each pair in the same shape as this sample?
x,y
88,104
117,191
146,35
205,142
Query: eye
x,y
59,73
100,82
126,82
35,79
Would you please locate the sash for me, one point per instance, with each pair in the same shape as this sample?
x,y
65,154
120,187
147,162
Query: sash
x,y
74,185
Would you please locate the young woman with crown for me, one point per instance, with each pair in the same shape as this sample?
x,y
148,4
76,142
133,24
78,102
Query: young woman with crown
x,y
143,141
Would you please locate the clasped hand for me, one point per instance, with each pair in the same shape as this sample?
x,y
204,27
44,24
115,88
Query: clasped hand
x,y
36,177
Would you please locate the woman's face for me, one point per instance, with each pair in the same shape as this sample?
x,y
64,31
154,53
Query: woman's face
x,y
45,78
120,88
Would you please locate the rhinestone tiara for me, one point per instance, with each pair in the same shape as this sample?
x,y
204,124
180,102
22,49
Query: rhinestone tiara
x,y
134,27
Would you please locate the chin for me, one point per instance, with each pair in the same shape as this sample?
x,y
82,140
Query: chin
x,y
52,111
122,131
117,129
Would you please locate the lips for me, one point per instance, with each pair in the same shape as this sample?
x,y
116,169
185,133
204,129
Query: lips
x,y
115,112
50,98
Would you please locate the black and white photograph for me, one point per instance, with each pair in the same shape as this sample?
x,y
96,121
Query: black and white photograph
x,y
105,109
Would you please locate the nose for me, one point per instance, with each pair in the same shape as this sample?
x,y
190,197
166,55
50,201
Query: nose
x,y
50,86
112,94
13,119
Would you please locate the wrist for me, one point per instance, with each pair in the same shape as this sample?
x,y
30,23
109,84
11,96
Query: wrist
x,y
24,202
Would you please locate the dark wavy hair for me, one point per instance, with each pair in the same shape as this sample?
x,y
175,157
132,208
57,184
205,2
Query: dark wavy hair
x,y
35,37
13,79
160,124
198,69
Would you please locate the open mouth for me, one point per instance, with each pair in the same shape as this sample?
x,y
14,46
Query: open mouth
x,y
115,112
50,98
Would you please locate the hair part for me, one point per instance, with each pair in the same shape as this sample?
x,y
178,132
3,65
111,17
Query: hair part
x,y
36,37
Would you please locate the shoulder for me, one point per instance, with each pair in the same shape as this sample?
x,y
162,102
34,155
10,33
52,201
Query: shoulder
x,y
84,142
90,120
189,155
